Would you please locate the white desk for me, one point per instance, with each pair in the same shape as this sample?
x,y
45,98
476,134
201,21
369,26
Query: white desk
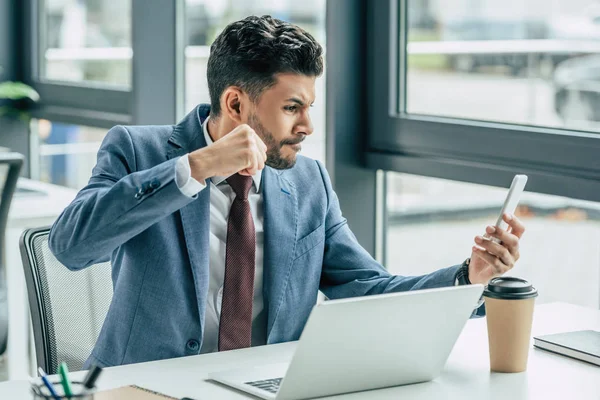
x,y
466,375
27,210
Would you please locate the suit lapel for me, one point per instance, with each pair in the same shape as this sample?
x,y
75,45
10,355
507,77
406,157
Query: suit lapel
x,y
187,136
280,226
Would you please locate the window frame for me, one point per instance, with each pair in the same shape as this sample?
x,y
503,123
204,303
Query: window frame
x,y
82,103
157,42
558,161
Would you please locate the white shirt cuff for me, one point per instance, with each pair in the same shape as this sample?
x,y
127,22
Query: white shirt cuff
x,y
183,177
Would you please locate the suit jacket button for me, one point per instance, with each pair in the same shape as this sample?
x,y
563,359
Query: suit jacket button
x,y
193,345
155,184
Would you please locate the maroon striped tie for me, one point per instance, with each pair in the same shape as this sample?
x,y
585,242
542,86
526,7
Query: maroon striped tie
x,y
235,326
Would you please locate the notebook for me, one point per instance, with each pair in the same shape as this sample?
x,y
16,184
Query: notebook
x,y
131,393
582,345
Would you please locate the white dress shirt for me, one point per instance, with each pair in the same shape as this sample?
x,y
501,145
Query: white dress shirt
x,y
221,198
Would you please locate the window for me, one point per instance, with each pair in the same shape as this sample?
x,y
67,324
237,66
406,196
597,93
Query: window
x,y
431,224
433,115
65,153
86,41
527,62
206,18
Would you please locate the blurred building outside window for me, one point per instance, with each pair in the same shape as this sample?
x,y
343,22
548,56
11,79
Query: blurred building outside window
x,y
86,41
532,62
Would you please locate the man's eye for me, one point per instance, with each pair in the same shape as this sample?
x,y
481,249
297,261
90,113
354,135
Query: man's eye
x,y
290,108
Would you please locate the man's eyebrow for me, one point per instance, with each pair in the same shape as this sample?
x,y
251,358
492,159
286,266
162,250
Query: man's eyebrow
x,y
296,100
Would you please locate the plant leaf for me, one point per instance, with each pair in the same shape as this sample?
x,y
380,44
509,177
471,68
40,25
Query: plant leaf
x,y
17,91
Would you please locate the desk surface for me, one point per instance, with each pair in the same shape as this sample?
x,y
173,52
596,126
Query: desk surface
x,y
466,375
39,201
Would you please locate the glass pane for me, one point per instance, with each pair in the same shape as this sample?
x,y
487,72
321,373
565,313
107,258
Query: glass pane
x,y
205,19
432,222
86,41
530,62
65,154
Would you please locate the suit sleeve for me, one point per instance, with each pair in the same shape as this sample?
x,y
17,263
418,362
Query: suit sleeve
x,y
349,270
117,204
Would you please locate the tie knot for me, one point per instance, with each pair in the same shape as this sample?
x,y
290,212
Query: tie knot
x,y
240,184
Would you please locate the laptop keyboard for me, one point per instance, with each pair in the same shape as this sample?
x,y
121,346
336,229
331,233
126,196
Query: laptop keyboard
x,y
270,385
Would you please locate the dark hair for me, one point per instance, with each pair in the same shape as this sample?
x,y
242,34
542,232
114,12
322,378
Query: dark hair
x,y
248,54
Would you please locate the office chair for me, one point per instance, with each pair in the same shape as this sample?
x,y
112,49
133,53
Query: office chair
x,y
10,166
67,308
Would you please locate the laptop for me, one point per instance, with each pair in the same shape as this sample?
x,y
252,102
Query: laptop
x,y
365,343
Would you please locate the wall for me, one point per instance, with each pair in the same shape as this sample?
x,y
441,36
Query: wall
x,y
13,134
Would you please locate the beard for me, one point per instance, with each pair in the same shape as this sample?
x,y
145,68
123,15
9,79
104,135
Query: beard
x,y
274,157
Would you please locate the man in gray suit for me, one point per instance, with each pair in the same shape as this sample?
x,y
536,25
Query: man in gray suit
x,y
220,235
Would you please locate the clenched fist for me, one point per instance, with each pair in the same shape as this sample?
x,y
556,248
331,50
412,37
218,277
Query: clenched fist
x,y
240,151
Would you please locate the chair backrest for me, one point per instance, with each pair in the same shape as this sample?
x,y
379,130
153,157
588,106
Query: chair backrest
x,y
67,308
10,166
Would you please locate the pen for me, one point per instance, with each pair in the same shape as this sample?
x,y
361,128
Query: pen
x,y
63,370
91,377
48,383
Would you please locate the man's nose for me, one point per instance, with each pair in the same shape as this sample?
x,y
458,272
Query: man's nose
x,y
306,126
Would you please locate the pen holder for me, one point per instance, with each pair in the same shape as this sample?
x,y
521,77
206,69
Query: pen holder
x,y
41,392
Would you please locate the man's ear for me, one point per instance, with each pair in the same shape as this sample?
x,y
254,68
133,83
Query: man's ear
x,y
235,104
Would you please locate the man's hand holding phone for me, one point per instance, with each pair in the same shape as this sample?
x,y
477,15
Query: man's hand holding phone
x,y
497,251
490,259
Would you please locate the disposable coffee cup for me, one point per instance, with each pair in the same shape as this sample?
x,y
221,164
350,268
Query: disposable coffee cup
x,y
509,305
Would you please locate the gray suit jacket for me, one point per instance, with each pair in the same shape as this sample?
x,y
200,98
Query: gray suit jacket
x,y
158,240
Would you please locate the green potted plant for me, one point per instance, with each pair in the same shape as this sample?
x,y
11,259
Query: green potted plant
x,y
14,92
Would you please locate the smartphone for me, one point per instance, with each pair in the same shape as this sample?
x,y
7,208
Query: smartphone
x,y
510,203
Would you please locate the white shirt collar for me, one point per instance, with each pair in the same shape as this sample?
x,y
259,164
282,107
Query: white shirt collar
x,y
219,179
